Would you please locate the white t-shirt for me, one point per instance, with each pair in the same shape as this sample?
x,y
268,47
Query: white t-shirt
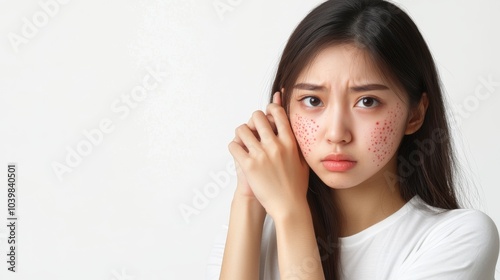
x,y
416,242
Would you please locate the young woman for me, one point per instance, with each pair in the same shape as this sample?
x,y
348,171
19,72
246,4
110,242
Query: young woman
x,y
349,174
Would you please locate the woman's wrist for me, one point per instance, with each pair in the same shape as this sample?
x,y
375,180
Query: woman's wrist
x,y
242,251
245,203
297,244
299,213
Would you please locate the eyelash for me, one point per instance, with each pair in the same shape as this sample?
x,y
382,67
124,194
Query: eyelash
x,y
364,98
309,98
377,102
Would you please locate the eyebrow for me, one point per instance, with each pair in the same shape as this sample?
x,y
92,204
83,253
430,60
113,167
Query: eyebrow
x,y
360,88
311,87
369,87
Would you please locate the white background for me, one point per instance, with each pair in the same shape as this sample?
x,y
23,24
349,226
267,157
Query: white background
x,y
117,215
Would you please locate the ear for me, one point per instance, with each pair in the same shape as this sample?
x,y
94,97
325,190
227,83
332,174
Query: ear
x,y
417,115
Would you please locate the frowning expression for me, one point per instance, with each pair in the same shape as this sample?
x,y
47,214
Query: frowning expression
x,y
348,118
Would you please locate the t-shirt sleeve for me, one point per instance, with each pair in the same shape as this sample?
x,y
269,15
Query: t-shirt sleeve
x,y
214,262
464,247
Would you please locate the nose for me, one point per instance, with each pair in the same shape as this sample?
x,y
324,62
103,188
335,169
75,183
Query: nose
x,y
337,127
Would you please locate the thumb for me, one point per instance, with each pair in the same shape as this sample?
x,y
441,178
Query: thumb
x,y
277,98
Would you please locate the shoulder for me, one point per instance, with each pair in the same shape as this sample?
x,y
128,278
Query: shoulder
x,y
461,243
462,224
468,229
470,221
471,229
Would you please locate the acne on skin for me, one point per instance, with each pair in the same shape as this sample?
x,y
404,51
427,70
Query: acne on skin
x,y
304,130
324,92
384,136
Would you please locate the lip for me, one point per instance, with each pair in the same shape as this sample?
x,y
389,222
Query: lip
x,y
338,163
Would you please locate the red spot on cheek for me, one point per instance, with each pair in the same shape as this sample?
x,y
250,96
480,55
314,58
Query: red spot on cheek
x,y
304,130
382,145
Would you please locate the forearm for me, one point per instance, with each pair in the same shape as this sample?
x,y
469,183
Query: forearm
x,y
297,247
242,250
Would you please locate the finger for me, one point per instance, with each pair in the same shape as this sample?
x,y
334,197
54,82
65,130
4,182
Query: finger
x,y
263,126
251,124
272,123
252,127
237,140
248,138
277,98
237,151
270,118
280,120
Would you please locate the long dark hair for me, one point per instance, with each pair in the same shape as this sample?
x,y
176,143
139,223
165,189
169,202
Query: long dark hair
x,y
389,36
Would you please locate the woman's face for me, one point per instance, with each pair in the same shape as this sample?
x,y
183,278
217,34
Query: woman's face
x,y
348,119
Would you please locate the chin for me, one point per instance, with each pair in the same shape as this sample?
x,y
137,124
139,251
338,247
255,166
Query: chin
x,y
339,181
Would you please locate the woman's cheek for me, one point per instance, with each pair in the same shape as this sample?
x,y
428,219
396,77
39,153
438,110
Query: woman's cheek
x,y
384,137
305,132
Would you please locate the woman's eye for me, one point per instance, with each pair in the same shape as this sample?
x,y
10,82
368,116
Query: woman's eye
x,y
311,101
368,102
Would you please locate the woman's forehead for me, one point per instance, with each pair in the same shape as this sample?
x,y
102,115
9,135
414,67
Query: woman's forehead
x,y
340,63
347,65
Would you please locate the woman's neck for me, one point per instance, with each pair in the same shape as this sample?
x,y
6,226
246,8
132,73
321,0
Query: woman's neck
x,y
370,202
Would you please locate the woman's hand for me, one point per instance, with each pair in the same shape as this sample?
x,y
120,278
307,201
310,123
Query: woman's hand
x,y
274,175
270,164
243,188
